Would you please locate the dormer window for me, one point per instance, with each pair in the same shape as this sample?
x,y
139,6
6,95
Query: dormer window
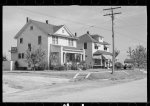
x,y
31,27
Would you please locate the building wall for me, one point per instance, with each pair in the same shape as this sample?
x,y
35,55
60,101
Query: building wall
x,y
14,56
88,52
62,31
6,65
31,36
101,47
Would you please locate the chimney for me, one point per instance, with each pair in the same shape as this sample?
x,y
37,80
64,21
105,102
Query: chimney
x,y
46,21
87,32
75,34
27,19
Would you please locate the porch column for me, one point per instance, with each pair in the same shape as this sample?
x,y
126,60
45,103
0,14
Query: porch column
x,y
105,63
75,55
83,54
64,57
61,55
80,57
101,61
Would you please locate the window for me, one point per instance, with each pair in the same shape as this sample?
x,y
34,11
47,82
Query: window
x,y
96,46
55,40
70,42
62,31
19,55
39,40
105,48
31,27
85,45
29,46
22,55
21,40
97,62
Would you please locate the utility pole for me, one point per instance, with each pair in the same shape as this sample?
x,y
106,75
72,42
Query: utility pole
x,y
113,43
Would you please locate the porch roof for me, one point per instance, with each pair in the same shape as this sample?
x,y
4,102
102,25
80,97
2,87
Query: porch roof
x,y
66,47
100,52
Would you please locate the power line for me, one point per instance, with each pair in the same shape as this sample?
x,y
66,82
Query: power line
x,y
93,26
76,22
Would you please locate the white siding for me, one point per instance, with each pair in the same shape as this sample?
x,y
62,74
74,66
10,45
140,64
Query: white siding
x,y
64,42
31,36
101,47
62,31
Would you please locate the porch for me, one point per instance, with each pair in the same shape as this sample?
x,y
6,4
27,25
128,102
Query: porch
x,y
102,59
61,55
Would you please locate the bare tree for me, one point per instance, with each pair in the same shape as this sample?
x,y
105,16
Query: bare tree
x,y
4,58
139,55
35,57
117,52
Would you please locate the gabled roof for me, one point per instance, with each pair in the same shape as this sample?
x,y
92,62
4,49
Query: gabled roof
x,y
97,35
49,29
128,61
100,52
94,40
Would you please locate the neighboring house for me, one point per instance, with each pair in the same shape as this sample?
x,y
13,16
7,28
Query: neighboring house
x,y
96,50
128,61
58,43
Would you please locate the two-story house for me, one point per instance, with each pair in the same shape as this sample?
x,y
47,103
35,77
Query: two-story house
x,y
96,50
56,40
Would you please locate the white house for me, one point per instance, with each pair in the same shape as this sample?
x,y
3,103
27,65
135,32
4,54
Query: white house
x,y
96,50
56,41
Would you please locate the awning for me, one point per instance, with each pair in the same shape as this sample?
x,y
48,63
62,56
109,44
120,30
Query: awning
x,y
107,56
97,57
100,52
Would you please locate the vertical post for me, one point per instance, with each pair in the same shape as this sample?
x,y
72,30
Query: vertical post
x,y
61,55
112,17
11,65
113,44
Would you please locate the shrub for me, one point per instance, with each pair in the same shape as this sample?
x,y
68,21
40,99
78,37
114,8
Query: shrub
x,y
16,65
74,66
118,65
82,65
129,66
42,66
59,67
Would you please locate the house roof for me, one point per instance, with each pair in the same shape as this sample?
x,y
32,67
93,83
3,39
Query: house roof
x,y
100,52
97,35
95,41
47,28
128,61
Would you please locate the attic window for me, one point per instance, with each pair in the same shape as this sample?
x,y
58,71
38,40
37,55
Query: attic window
x,y
62,31
31,27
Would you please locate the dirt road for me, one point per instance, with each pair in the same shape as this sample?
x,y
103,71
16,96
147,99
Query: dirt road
x,y
135,91
39,88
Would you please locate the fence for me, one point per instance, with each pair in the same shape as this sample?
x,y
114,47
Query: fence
x,y
8,65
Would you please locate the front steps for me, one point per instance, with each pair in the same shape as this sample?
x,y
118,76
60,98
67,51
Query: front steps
x,y
81,76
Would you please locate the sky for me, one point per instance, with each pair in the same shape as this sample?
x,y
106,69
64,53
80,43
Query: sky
x,y
130,27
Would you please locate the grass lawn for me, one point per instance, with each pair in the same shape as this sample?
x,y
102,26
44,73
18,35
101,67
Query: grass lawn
x,y
95,74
